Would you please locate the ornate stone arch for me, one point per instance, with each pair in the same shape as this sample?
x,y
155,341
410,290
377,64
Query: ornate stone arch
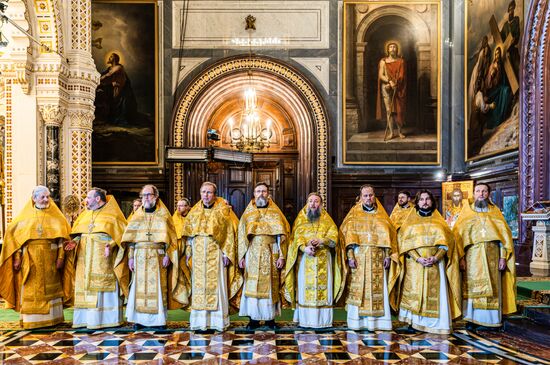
x,y
534,161
278,70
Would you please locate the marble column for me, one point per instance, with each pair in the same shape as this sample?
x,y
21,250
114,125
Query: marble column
x,y
53,116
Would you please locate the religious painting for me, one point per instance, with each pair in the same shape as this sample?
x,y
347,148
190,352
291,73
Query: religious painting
x,y
124,48
391,82
510,212
493,32
454,195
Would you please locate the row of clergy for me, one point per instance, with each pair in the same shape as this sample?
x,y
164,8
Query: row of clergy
x,y
208,261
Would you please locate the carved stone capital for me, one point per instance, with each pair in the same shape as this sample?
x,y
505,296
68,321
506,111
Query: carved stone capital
x,y
81,119
52,114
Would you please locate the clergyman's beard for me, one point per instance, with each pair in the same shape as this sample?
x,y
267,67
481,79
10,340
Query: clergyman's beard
x,y
481,204
150,204
261,202
313,214
403,205
425,212
42,206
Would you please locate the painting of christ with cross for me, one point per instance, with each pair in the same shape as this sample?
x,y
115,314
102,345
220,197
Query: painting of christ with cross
x,y
493,33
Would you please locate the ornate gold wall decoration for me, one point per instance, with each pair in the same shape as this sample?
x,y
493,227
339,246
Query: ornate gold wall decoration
x,y
282,72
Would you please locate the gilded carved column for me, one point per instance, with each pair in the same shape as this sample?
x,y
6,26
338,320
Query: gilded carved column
x,y
53,116
83,80
80,155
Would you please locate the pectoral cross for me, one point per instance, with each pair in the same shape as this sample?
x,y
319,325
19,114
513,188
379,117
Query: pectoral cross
x,y
483,232
91,227
369,236
39,230
149,234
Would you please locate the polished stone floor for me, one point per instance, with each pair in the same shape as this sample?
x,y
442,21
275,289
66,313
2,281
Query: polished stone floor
x,y
287,345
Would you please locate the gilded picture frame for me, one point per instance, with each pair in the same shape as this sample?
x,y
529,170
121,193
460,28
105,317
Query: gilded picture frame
x,y
492,43
393,119
454,194
124,48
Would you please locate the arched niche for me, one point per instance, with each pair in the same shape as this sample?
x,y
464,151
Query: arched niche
x,y
290,96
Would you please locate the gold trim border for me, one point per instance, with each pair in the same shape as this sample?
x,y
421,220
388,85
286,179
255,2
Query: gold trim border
x,y
344,46
282,71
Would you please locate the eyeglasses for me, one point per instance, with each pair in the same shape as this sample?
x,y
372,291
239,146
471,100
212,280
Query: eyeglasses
x,y
146,195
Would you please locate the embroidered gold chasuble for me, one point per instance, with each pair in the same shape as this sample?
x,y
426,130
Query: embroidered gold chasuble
x,y
152,235
39,234
211,230
87,270
398,214
373,236
478,235
419,285
179,222
257,235
316,274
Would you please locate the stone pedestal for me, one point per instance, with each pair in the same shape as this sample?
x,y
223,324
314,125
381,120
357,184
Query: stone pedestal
x,y
540,262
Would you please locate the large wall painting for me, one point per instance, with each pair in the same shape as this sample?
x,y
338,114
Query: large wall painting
x,y
493,32
391,83
124,48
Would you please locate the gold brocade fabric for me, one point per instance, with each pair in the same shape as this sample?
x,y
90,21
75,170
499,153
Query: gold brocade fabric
x,y
372,234
476,233
258,229
87,270
419,285
316,274
148,267
31,224
211,230
179,222
366,287
398,214
157,233
40,277
94,271
480,281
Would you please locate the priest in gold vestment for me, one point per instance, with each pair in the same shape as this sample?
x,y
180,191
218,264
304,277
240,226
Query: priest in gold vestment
x,y
152,246
402,208
429,283
211,243
97,268
484,242
262,248
368,240
183,207
313,266
32,255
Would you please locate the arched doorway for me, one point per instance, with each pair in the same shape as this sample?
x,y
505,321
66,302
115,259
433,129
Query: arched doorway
x,y
296,162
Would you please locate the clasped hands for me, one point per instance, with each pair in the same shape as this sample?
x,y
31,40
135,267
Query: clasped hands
x,y
427,261
312,246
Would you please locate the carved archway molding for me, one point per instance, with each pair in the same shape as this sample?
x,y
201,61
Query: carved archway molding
x,y
279,72
534,160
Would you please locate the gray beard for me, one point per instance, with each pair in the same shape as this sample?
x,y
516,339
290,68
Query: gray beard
x,y
481,204
313,214
150,204
41,206
261,202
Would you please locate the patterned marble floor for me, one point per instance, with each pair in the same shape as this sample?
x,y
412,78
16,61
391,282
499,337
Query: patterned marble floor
x,y
239,346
